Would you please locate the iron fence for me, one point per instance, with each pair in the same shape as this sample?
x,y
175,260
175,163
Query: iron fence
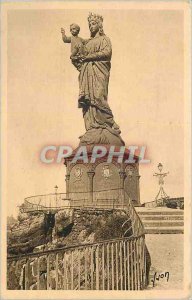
x,y
118,264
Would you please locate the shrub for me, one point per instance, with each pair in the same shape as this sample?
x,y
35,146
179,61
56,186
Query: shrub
x,y
112,229
182,206
172,204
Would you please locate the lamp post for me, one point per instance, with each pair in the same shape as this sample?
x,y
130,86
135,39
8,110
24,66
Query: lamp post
x,y
56,188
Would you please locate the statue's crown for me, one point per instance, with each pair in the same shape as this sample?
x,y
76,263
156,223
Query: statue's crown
x,y
94,17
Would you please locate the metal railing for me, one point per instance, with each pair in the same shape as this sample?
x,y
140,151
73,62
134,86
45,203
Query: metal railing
x,y
136,223
52,203
58,201
118,264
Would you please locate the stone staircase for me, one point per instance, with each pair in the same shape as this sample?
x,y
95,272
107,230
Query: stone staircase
x,y
161,220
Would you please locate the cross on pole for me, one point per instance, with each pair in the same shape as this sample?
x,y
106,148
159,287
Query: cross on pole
x,y
161,195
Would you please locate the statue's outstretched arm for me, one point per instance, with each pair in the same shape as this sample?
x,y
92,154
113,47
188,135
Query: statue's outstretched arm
x,y
66,39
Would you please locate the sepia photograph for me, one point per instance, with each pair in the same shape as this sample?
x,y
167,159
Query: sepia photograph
x,y
95,150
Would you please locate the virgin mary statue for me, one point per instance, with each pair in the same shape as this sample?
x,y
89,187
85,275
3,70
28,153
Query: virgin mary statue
x,y
94,74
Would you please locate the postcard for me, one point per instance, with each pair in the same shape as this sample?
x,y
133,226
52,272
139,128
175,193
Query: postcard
x,y
96,150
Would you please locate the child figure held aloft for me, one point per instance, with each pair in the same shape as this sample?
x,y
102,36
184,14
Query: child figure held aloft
x,y
77,44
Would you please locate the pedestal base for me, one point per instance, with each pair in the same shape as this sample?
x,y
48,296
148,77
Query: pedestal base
x,y
101,181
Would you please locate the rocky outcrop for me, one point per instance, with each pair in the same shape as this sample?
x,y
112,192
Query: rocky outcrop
x,y
88,226
65,228
28,232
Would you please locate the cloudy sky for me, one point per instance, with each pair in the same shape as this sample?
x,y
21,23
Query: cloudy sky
x,y
146,94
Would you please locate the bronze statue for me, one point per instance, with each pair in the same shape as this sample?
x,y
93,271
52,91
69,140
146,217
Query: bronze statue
x,y
94,66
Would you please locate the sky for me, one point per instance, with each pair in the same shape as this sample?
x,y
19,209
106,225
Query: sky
x,y
146,94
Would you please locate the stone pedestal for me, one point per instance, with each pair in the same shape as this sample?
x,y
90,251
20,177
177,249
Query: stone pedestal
x,y
101,181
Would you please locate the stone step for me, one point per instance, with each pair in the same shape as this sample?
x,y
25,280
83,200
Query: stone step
x,y
161,220
163,224
164,230
162,217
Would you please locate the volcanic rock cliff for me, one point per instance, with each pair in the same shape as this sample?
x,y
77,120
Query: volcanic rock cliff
x,y
67,227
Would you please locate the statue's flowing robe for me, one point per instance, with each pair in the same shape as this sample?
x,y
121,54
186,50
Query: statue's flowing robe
x,y
93,86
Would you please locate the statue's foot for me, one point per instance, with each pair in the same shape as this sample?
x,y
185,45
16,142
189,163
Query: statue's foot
x,y
101,136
